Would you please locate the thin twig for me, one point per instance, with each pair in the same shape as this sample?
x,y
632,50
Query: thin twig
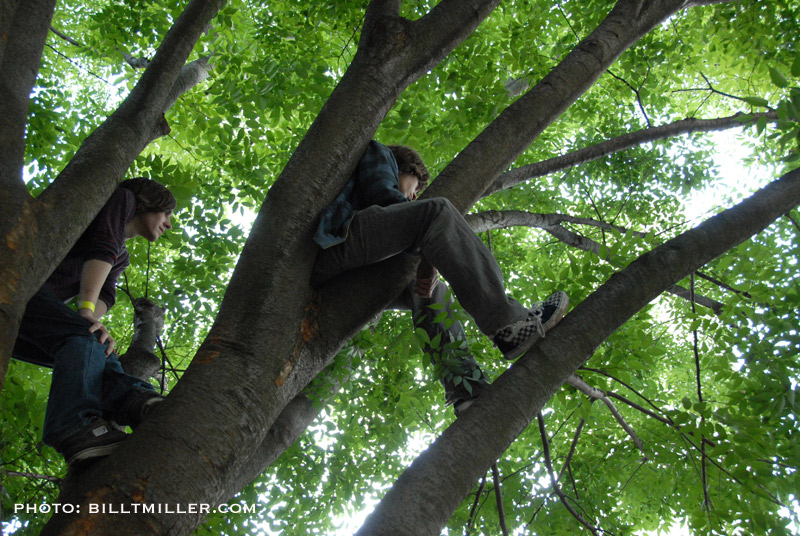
x,y
635,92
548,462
572,448
65,37
474,509
706,498
596,394
498,496
34,476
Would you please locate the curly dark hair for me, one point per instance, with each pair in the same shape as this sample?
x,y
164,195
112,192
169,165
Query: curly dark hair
x,y
151,196
409,161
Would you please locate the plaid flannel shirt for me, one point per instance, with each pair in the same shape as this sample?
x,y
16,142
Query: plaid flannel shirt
x,y
374,182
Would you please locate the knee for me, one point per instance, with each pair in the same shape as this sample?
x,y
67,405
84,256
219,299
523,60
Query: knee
x,y
82,345
441,206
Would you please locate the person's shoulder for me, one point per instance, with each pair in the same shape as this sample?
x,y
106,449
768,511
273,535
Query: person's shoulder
x,y
377,148
378,155
123,201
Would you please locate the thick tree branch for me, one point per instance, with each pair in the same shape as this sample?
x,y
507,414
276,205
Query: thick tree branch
x,y
620,143
24,36
468,176
275,263
458,458
51,224
191,75
148,322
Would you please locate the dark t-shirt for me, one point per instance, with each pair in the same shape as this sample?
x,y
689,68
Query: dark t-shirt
x,y
103,240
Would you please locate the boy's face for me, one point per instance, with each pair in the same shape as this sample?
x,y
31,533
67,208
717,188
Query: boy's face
x,y
409,186
153,224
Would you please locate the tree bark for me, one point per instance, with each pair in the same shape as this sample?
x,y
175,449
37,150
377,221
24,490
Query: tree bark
x,y
551,223
270,281
273,333
24,35
469,175
148,322
24,31
233,391
426,494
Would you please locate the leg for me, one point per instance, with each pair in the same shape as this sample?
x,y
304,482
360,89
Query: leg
x,y
452,352
81,390
434,228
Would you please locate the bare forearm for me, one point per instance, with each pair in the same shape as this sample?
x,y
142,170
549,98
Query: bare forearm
x,y
93,276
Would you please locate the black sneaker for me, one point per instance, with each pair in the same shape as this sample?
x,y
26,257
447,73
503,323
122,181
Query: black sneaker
x,y
517,338
138,406
96,440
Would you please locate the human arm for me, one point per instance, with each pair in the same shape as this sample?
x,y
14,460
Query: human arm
x,y
93,277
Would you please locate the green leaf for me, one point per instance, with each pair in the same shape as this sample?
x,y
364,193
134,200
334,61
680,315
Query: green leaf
x,y
796,66
778,77
756,101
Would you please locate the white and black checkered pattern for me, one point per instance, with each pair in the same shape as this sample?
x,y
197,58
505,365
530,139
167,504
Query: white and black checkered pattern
x,y
517,338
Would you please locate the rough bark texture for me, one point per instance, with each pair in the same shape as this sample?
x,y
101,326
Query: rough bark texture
x,y
365,292
232,392
273,333
551,223
148,322
515,129
24,27
426,494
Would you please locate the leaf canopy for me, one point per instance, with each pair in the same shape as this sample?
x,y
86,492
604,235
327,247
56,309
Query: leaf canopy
x,y
274,67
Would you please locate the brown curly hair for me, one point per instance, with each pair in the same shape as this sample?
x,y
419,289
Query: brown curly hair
x,y
151,196
409,161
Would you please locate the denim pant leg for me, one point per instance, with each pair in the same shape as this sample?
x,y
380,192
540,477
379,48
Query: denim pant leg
x,y
75,389
85,384
434,228
452,352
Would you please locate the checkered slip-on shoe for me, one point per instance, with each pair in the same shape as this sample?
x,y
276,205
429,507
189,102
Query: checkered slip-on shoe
x,y
517,338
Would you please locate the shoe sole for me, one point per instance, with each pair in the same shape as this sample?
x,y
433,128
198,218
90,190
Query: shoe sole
x,y
555,319
93,452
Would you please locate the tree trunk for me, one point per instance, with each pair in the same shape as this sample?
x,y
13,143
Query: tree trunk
x,y
266,344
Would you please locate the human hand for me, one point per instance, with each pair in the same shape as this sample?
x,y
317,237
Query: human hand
x,y
105,336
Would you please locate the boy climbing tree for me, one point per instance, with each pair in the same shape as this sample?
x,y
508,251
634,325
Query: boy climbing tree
x,y
89,389
373,219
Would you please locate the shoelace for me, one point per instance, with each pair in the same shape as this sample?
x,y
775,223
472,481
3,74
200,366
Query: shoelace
x,y
536,316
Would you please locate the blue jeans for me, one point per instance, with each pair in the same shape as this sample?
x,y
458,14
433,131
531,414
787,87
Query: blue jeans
x,y
86,384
